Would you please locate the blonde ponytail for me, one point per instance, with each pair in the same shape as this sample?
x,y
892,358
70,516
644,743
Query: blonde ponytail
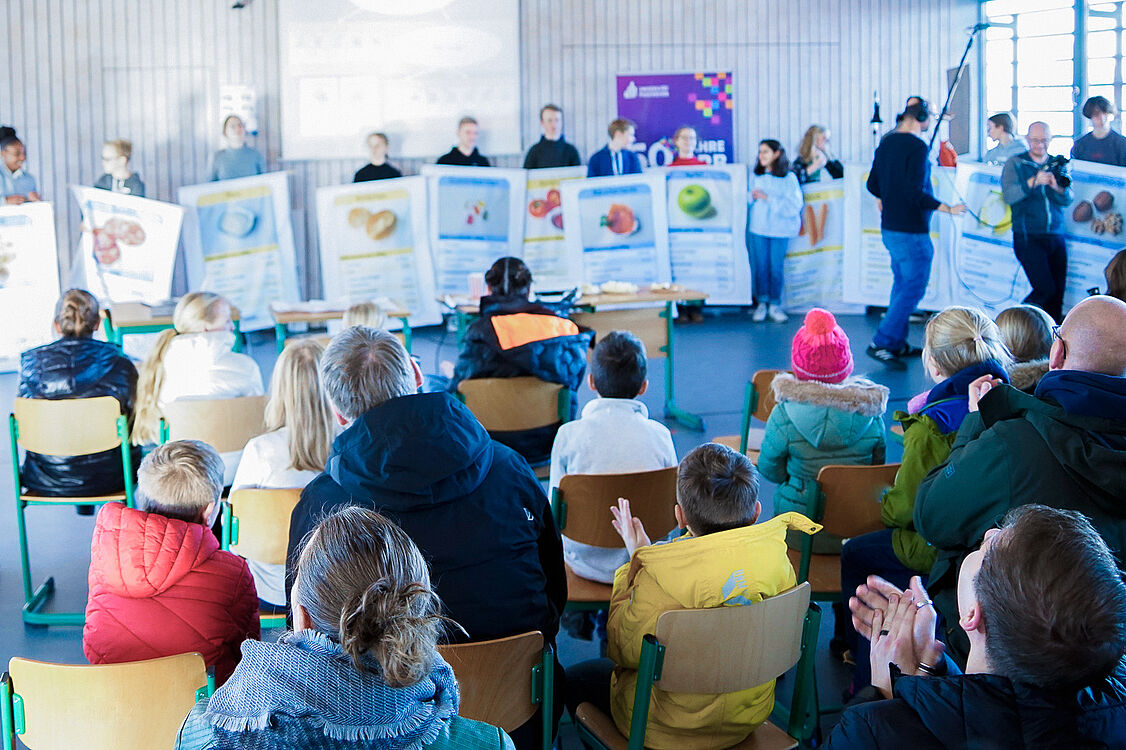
x,y
298,401
959,337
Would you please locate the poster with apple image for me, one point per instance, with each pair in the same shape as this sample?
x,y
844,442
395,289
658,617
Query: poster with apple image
x,y
1093,225
29,279
374,244
707,216
238,242
130,250
815,258
476,216
619,228
544,250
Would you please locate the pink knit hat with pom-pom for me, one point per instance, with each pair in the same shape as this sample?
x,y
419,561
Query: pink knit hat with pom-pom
x,y
821,350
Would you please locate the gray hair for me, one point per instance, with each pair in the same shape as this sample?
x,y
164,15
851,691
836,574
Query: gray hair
x,y
178,479
364,367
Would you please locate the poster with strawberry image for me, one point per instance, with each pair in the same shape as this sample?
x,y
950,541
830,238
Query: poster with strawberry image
x,y
544,249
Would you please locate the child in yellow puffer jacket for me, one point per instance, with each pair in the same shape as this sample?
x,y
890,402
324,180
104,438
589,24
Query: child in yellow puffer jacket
x,y
724,559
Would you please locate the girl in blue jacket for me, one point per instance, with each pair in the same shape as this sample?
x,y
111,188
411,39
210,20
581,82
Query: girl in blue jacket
x,y
774,217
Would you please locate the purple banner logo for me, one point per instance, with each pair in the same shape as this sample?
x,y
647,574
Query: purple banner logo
x,y
663,102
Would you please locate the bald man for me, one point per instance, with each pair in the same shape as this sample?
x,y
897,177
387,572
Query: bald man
x,y
1064,447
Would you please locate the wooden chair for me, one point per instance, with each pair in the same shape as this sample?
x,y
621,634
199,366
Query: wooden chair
x,y
581,506
226,424
758,402
719,650
63,427
256,526
504,681
515,404
105,707
324,339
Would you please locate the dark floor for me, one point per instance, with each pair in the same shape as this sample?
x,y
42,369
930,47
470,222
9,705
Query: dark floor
x,y
714,360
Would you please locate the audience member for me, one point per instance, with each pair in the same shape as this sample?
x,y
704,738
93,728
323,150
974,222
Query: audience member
x,y
614,436
1064,446
465,153
516,337
684,139
1115,273
1102,144
1044,609
814,155
1027,332
722,560
294,450
237,159
77,366
552,150
119,176
17,185
361,667
159,584
377,168
1000,128
774,219
616,157
822,417
364,314
1037,201
191,361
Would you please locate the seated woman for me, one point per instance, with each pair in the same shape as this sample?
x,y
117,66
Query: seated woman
x,y
294,451
193,361
516,337
1027,332
361,668
77,366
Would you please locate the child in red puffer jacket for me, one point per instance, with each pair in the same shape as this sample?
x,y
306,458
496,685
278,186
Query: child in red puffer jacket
x,y
159,584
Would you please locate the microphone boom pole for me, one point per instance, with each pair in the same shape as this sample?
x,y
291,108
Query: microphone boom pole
x,y
957,79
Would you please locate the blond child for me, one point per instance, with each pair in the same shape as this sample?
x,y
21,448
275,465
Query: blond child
x,y
1027,332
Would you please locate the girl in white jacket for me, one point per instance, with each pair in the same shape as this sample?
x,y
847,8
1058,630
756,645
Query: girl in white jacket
x,y
774,217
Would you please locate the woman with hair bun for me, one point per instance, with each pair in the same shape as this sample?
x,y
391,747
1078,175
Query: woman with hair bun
x,y
361,668
77,366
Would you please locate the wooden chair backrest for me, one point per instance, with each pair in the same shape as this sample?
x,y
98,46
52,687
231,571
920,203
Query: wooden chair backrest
x,y
647,323
589,497
263,523
69,426
852,497
763,381
496,678
324,339
509,404
226,424
109,706
725,649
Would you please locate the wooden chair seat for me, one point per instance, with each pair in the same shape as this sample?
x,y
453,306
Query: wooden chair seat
x,y
92,500
824,572
585,590
766,737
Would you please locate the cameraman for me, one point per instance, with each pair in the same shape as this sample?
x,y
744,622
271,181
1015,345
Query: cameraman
x,y
1037,199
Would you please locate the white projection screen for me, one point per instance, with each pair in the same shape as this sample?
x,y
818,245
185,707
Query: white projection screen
x,y
409,68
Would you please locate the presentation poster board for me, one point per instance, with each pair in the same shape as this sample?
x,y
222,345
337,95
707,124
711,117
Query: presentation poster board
x,y
707,220
476,216
374,243
1093,225
29,279
545,251
130,248
661,102
238,242
618,227
815,258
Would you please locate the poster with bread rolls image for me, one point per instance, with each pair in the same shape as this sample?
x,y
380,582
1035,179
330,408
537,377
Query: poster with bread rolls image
x,y
29,278
128,245
373,244
1093,224
815,258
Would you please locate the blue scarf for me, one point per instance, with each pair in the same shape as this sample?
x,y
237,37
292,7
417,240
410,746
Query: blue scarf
x,y
307,676
948,402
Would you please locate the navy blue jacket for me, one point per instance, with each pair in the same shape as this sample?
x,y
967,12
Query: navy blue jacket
x,y
601,163
472,506
901,179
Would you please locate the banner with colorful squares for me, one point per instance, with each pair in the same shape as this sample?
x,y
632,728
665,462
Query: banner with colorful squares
x,y
662,102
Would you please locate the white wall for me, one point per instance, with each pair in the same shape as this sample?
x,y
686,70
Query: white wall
x,y
82,71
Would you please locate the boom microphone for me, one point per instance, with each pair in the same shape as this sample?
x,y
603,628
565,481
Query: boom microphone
x,y
978,27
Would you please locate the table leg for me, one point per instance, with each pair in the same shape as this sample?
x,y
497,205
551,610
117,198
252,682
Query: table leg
x,y
672,411
239,341
281,330
407,335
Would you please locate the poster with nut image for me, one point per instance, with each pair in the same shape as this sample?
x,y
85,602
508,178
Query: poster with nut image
x,y
707,220
128,245
29,279
238,242
1093,225
617,228
374,244
544,249
815,258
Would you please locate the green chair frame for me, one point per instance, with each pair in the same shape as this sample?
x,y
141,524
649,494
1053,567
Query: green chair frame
x,y
34,599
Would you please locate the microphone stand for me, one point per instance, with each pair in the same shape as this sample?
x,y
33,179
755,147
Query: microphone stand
x,y
954,84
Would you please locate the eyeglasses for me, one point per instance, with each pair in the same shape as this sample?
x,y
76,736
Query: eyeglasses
x,y
1056,333
1039,140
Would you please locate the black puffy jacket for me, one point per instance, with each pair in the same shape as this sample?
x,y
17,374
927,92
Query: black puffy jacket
x,y
77,368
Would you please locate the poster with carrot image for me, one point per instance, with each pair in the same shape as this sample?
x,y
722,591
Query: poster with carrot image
x,y
814,259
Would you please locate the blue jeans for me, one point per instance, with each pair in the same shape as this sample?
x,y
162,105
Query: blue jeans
x,y
911,256
768,254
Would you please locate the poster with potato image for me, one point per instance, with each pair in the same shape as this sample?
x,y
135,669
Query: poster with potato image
x,y
544,250
128,245
29,279
707,218
373,244
1093,225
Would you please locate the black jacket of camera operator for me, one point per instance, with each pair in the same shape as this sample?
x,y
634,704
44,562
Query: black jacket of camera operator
x,y
1036,210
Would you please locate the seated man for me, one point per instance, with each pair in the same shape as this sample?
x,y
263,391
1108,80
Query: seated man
x,y
1064,446
1044,608
159,584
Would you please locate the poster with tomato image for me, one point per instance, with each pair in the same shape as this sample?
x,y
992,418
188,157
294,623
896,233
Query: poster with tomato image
x,y
617,228
128,245
29,278
544,249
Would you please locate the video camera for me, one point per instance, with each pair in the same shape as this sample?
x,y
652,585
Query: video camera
x,y
1057,167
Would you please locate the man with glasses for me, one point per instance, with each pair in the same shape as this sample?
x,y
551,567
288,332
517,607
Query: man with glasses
x,y
1037,200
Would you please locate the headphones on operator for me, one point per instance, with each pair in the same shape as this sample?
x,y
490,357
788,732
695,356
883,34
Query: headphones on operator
x,y
920,110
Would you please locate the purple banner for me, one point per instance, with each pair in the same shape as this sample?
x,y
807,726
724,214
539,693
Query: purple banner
x,y
663,102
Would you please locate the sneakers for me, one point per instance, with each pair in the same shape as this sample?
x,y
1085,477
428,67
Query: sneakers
x,y
886,357
759,314
909,351
777,315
